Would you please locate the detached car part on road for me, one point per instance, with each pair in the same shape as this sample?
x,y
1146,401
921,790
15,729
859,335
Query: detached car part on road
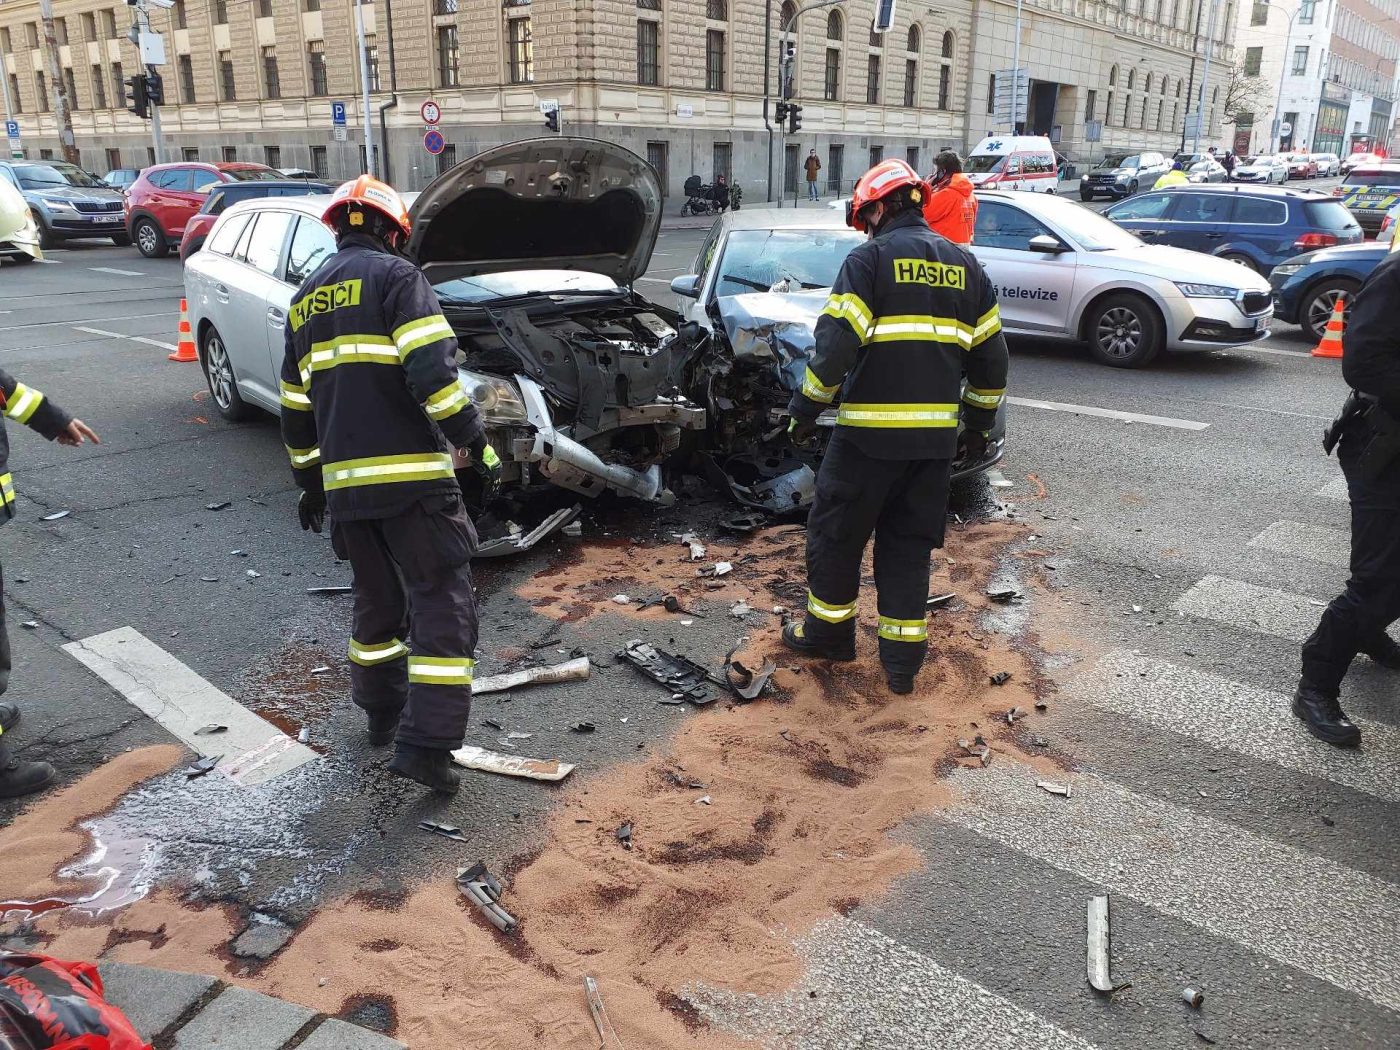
x,y
19,236
578,378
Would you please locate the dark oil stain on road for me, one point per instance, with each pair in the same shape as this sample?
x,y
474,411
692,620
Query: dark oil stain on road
x,y
379,1013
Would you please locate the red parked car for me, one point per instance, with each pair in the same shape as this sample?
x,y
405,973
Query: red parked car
x,y
163,199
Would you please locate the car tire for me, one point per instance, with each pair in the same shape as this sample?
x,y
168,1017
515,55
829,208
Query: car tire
x,y
1085,197
1315,306
1132,187
150,239
219,374
47,240
1239,259
121,240
21,259
1124,330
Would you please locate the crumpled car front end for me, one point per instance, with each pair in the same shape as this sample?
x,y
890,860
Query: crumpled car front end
x,y
746,380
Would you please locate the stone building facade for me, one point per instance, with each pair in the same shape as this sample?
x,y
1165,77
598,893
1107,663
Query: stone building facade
x,y
678,81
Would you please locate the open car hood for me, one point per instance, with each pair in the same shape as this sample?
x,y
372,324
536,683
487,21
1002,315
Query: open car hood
x,y
560,203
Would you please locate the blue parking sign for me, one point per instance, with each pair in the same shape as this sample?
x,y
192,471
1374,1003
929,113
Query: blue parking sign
x,y
12,129
338,113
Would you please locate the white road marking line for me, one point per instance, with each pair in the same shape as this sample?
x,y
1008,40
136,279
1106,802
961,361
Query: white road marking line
x,y
117,317
1108,413
253,751
1239,718
655,280
99,331
1319,543
1278,351
856,972
1334,489
1251,608
151,342
1307,912
119,273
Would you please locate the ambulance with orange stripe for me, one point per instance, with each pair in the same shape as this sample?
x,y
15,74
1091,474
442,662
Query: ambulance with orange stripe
x,y
1013,162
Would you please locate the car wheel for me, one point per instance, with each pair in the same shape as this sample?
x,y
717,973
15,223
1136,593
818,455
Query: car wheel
x,y
1085,197
150,240
1124,331
1240,259
121,240
223,385
21,259
1132,187
46,238
1319,301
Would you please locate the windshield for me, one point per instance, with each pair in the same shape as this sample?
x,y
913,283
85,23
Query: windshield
x,y
1118,160
1264,162
983,163
253,174
1203,165
51,176
1094,232
468,291
1373,178
756,260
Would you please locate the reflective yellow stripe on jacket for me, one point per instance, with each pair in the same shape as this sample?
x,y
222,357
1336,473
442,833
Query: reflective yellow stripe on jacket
x,y
24,402
409,337
988,325
897,416
347,350
294,396
303,457
903,630
816,390
983,398
7,489
440,670
448,401
851,308
367,655
381,470
921,328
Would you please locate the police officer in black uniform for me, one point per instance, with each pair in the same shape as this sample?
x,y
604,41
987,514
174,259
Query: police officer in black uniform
x,y
1368,436
909,313
372,408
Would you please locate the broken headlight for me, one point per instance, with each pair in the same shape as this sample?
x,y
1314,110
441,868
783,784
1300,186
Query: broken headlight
x,y
498,400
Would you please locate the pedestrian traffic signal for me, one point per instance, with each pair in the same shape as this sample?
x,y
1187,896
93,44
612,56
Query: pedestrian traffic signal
x,y
137,101
780,112
794,115
155,89
551,120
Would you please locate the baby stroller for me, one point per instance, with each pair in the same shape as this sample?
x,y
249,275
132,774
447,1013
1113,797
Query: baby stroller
x,y
699,198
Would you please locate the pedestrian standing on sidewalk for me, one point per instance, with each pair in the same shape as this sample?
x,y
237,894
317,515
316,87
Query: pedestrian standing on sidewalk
x,y
813,165
25,405
371,408
1368,438
909,313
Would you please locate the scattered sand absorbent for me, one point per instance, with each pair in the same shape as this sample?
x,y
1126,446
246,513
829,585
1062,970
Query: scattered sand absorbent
x,y
805,788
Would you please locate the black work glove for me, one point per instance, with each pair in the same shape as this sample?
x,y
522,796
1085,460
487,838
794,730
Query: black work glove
x,y
972,445
488,468
311,510
801,431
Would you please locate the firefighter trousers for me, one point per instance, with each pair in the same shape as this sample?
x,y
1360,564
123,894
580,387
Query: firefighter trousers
x,y
415,627
904,503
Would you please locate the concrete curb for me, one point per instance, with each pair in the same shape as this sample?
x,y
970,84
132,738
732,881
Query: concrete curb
x,y
184,1011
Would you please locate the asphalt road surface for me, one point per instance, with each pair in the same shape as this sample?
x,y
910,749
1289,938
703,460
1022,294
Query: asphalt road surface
x,y
1193,530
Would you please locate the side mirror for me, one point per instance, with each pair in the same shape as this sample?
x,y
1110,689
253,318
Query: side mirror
x,y
687,286
1047,245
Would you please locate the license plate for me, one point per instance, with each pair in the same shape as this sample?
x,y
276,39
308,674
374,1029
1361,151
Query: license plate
x,y
1261,324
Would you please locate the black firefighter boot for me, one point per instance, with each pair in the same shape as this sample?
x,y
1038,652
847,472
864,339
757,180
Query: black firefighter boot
x,y
1322,713
1385,652
428,766
22,778
9,717
800,639
382,727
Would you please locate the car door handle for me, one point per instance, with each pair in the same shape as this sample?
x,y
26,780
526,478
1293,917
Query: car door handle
x,y
221,293
1149,233
275,317
1214,236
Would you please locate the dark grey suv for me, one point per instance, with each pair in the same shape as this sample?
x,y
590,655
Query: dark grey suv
x,y
1123,174
67,202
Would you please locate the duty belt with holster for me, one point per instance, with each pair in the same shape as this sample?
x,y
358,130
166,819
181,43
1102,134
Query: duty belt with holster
x,y
1381,430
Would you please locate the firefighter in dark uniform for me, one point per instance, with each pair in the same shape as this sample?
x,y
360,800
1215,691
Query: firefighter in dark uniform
x,y
909,314
24,404
1368,432
372,408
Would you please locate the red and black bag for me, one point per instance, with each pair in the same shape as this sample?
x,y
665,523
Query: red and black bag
x,y
46,1004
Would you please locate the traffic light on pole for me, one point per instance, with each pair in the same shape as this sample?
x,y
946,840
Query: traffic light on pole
x,y
551,120
155,89
780,112
137,101
794,115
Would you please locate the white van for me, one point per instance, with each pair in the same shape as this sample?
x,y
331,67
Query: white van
x,y
1013,162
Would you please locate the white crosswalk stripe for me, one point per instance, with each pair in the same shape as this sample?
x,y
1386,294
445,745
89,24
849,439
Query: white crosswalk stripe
x,y
1250,608
1235,884
1320,543
864,989
1240,718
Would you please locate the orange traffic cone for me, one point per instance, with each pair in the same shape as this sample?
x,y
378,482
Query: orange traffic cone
x,y
184,345
1330,345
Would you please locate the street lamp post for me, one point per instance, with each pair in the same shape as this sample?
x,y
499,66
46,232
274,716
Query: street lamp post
x,y
1276,133
1205,79
767,79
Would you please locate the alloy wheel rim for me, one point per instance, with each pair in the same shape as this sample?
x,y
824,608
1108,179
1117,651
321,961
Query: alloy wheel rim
x,y
147,237
1120,332
220,373
1321,307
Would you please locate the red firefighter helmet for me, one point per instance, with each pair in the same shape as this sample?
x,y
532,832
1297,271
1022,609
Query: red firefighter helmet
x,y
880,181
369,192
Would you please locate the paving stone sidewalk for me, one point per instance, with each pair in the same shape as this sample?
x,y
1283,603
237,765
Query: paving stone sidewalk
x,y
187,1011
